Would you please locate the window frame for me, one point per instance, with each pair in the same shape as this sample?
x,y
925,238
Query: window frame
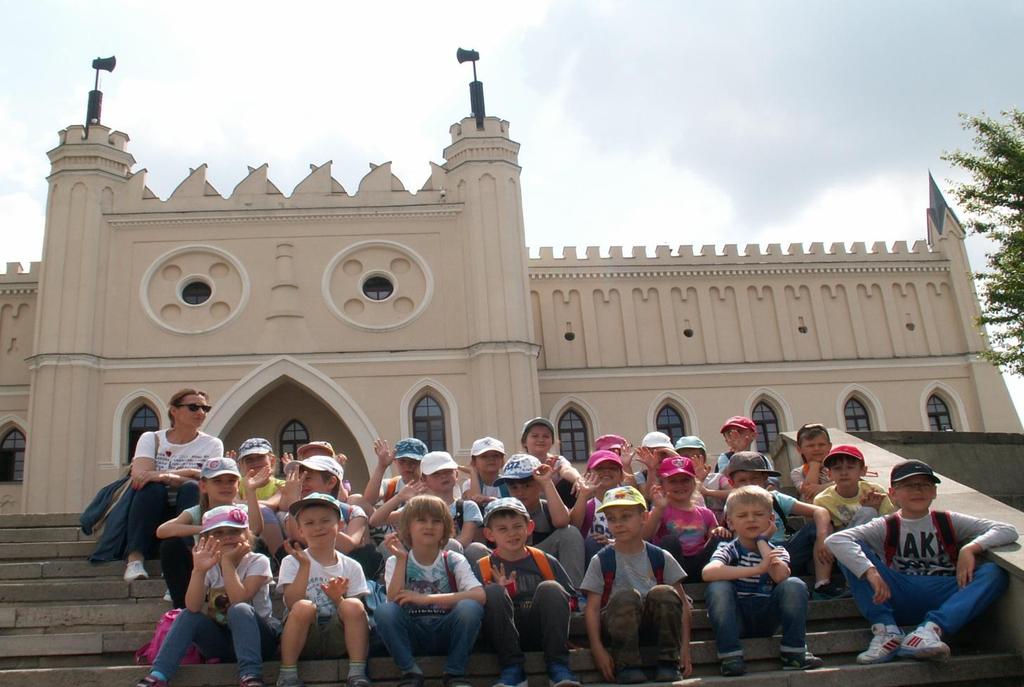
x,y
578,442
665,428
762,433
436,423
12,453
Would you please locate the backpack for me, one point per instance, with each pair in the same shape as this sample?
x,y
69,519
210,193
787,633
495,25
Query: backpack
x,y
390,487
782,516
606,556
943,530
539,557
147,653
459,515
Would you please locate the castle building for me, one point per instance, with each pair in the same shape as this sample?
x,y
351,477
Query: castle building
x,y
380,312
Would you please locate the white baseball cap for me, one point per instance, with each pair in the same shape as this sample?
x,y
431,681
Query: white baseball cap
x,y
437,460
657,440
487,444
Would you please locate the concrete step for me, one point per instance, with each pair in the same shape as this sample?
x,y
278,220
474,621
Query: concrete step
x,y
978,669
85,590
46,551
17,535
123,615
68,568
13,520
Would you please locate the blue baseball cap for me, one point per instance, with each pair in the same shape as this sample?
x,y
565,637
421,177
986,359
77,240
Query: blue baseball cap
x,y
505,503
254,446
691,442
410,448
519,466
315,499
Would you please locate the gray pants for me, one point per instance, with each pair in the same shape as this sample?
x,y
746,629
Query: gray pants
x,y
566,544
629,621
542,622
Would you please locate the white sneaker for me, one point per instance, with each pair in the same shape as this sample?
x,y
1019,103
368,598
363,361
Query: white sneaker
x,y
925,642
167,596
884,645
135,570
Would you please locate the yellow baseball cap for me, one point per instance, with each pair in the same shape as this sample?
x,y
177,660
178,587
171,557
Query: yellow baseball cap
x,y
623,496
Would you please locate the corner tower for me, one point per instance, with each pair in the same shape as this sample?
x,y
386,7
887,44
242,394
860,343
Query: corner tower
x,y
88,168
482,173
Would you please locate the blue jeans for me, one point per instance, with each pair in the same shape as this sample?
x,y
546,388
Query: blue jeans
x,y
150,509
919,598
801,549
733,617
247,638
453,633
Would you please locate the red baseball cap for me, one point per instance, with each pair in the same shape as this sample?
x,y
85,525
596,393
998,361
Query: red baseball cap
x,y
676,465
598,457
844,450
739,422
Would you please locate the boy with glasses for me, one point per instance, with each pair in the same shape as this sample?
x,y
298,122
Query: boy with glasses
x,y
919,565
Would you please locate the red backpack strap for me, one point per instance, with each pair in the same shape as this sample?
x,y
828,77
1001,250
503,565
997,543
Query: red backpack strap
x,y
453,584
390,487
588,517
947,536
656,556
485,569
606,557
892,537
541,560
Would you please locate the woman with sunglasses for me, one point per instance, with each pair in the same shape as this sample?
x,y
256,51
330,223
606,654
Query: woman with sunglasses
x,y
164,473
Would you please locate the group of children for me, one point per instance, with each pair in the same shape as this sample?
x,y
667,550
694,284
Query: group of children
x,y
510,546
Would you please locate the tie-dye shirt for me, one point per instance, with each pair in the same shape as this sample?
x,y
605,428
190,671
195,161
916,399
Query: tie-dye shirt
x,y
692,527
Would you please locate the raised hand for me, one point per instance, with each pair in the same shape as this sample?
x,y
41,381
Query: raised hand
x,y
232,454
658,498
501,578
648,458
292,489
296,550
395,546
544,473
411,489
385,454
254,479
206,554
235,555
702,470
335,589
872,499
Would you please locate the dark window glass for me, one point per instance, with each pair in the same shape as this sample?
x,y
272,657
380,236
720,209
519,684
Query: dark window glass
x,y
572,436
293,436
12,457
378,288
767,425
856,414
428,423
143,420
196,292
939,419
670,422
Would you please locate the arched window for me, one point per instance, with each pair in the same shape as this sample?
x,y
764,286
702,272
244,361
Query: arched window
x,y
939,419
857,418
12,456
428,423
292,437
143,420
572,436
767,425
670,422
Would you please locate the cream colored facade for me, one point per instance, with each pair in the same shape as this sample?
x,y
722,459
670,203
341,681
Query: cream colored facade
x,y
100,328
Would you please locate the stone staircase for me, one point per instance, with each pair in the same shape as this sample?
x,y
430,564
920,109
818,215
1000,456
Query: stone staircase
x,y
66,622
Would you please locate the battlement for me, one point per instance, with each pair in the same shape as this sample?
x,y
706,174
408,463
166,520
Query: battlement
x,y
97,133
729,254
16,274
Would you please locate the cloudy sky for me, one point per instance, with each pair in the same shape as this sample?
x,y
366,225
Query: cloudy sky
x,y
641,122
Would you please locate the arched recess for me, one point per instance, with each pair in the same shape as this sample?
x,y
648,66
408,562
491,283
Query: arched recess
x,y
775,401
448,403
250,388
952,400
585,410
867,399
123,412
688,412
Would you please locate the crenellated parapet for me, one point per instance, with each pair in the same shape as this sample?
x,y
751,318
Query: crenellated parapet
x,y
16,280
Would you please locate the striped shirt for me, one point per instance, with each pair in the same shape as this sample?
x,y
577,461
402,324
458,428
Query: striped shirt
x,y
734,554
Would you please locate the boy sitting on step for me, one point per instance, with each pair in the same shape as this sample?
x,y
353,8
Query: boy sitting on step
x,y
751,592
529,597
918,565
634,595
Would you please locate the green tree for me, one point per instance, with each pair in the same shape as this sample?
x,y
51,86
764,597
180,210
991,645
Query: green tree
x,y
994,199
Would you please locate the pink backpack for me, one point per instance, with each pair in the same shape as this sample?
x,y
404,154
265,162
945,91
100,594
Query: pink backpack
x,y
147,653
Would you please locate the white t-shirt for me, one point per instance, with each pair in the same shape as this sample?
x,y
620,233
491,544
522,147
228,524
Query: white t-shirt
x,y
178,456
319,574
251,564
433,578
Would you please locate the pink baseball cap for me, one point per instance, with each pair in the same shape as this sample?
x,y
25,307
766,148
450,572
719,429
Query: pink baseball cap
x,y
738,422
676,465
598,457
606,442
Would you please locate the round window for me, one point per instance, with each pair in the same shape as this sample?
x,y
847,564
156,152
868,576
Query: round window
x,y
378,288
196,292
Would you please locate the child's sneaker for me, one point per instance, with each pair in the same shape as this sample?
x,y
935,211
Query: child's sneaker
x,y
925,642
251,681
289,681
831,590
801,661
511,676
733,666
630,676
559,675
150,681
883,646
135,570
667,671
455,681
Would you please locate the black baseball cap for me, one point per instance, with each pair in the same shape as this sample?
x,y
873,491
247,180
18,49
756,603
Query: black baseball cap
x,y
911,468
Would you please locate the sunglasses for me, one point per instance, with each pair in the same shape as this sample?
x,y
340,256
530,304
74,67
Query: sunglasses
x,y
194,407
